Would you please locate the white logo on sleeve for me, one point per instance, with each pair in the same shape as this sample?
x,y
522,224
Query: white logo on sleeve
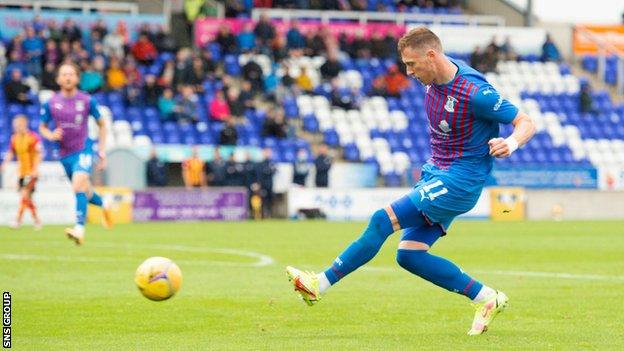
x,y
487,91
498,104
450,104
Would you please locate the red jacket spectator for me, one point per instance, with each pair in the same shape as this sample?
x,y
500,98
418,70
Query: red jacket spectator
x,y
143,50
395,81
219,108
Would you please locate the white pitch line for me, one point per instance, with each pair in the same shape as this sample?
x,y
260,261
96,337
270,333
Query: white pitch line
x,y
261,259
528,274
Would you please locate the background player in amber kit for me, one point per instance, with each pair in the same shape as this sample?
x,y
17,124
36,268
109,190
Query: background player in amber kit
x,y
26,148
193,171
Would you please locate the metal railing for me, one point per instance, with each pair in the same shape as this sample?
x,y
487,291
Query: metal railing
x,y
84,6
604,49
365,17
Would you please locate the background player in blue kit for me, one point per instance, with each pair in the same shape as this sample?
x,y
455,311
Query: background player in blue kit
x,y
70,109
464,113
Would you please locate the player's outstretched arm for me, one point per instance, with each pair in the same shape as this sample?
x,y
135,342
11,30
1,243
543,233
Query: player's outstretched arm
x,y
55,135
524,129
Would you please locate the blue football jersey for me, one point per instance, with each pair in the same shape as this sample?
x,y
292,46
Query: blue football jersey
x,y
463,116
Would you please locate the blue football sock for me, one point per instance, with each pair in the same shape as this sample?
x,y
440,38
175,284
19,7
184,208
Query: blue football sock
x,y
81,208
379,228
95,199
439,271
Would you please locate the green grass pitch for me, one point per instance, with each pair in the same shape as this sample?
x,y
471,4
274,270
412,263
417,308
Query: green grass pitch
x,y
565,281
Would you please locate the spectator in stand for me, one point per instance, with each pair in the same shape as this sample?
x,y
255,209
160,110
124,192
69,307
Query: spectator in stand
x,y
477,61
391,46
151,90
315,44
266,171
198,75
550,52
33,50
226,40
396,82
48,78
361,47
156,171
16,47
51,54
183,67
265,32
586,99
91,80
274,125
65,50
187,105
247,95
216,170
115,76
234,8
167,74
228,135
133,75
507,51
294,39
332,67
70,30
163,40
219,109
252,72
378,87
99,27
114,43
193,171
304,82
279,50
490,58
378,46
237,106
144,50
301,167
15,62
322,163
54,32
166,104
246,39
209,64
15,90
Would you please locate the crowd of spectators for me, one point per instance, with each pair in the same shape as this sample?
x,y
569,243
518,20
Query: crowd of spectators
x,y
239,8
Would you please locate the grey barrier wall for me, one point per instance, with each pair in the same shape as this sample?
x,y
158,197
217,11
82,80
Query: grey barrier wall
x,y
125,169
574,204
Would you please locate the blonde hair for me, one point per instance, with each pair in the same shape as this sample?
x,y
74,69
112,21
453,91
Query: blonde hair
x,y
420,38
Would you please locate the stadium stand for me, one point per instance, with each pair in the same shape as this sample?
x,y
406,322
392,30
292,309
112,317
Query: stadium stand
x,y
350,109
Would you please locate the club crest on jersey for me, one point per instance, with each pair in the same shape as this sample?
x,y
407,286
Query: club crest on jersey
x,y
444,126
78,118
450,104
80,106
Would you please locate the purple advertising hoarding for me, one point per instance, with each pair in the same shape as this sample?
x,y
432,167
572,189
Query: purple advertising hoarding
x,y
224,204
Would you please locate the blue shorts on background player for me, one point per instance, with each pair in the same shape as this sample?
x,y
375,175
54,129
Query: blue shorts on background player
x,y
464,112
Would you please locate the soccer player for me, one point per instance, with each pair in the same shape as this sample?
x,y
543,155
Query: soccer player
x,y
193,171
464,113
26,148
69,109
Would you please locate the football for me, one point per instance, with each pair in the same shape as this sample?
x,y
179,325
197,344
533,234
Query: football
x,y
158,278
